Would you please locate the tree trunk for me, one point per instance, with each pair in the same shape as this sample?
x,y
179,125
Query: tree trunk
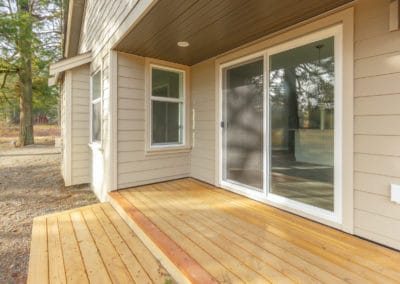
x,y
293,115
25,75
26,106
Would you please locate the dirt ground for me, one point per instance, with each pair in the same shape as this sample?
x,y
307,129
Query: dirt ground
x,y
30,186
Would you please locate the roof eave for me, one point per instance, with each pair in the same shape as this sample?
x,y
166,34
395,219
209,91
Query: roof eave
x,y
58,68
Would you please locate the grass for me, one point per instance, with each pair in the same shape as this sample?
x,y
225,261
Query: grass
x,y
38,130
44,134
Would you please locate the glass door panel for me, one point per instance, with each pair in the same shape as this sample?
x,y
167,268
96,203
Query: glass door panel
x,y
301,121
242,124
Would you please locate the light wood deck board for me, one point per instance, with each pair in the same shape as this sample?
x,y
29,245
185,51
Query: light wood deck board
x,y
38,259
74,269
215,220
347,267
56,262
347,244
150,265
163,232
190,240
256,249
214,241
91,244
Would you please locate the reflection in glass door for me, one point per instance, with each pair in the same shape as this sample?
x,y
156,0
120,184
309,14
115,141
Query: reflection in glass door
x,y
242,125
301,121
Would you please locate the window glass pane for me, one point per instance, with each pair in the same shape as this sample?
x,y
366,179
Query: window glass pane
x,y
243,124
167,83
167,123
96,121
301,103
96,86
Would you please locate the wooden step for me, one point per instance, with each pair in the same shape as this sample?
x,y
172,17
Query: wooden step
x,y
182,267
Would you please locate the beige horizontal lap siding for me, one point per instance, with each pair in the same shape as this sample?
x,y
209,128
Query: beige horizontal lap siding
x,y
80,98
135,166
102,19
377,123
203,112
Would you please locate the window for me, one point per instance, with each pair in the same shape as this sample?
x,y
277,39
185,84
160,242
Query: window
x,y
96,108
167,107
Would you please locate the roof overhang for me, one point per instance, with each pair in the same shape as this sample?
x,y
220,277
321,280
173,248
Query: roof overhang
x,y
58,68
214,27
73,23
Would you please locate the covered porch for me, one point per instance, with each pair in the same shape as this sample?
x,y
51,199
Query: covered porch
x,y
203,234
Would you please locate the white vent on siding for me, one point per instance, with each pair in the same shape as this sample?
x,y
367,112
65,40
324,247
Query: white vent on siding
x,y
395,193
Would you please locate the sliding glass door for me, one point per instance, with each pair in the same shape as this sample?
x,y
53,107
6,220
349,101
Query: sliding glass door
x,y
279,116
242,124
301,121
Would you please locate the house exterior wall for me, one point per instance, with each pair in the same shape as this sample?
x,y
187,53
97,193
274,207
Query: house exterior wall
x,y
203,115
104,23
376,119
376,125
80,154
75,90
102,19
135,166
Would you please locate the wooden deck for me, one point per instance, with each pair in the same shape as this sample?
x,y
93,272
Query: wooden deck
x,y
216,236
90,245
199,234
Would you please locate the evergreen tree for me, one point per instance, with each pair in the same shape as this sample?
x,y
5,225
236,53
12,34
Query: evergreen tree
x,y
30,38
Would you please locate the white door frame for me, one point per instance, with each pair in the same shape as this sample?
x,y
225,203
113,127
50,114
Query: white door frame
x,y
226,184
334,217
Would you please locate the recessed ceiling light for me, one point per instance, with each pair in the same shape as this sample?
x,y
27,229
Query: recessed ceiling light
x,y
183,44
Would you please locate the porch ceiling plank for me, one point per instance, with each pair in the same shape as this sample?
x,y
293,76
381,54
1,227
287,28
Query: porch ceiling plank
x,y
214,27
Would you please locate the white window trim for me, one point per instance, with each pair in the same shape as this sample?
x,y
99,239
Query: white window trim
x,y
344,19
176,147
96,144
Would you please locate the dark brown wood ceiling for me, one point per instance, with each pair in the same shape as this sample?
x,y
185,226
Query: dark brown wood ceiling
x,y
214,26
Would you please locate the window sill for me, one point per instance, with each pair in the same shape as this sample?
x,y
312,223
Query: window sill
x,y
96,146
167,150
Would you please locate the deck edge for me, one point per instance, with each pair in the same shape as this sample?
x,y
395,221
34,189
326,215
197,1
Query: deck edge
x,y
182,267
